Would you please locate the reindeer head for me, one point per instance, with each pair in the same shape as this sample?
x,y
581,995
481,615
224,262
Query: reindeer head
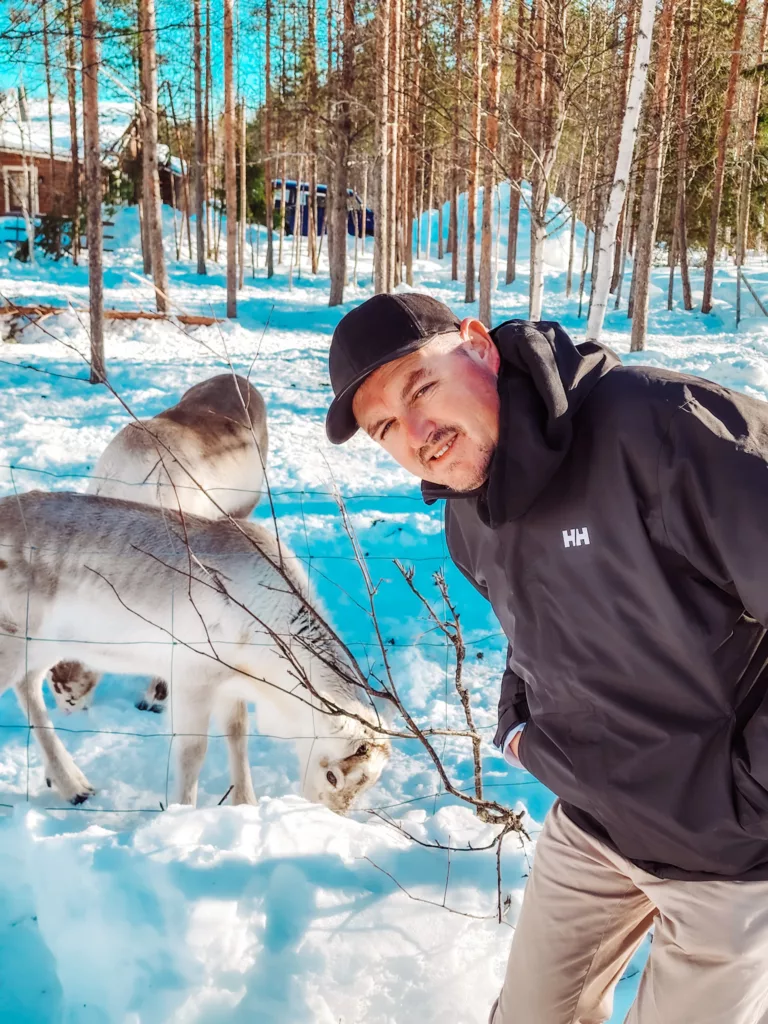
x,y
339,768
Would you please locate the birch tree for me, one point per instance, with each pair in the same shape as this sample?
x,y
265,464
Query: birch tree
x,y
626,150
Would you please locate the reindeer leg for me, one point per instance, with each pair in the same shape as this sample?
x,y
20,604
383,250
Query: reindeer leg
x,y
155,697
191,717
60,769
239,765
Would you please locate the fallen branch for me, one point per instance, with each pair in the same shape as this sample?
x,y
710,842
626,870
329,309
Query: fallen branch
x,y
34,313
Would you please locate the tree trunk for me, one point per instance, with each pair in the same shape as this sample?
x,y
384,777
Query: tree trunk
x,y
722,143
152,201
314,113
199,141
415,141
49,94
440,212
489,158
93,187
539,182
71,58
210,149
230,168
243,192
518,127
381,281
269,202
453,217
629,207
394,180
745,191
474,159
337,228
626,149
184,174
648,216
683,121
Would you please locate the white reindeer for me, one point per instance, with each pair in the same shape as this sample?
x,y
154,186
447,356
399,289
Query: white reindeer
x,y
116,582
204,456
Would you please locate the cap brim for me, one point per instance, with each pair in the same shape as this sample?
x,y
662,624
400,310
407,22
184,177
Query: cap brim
x,y
340,422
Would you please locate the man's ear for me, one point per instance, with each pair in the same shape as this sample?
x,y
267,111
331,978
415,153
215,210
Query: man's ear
x,y
479,343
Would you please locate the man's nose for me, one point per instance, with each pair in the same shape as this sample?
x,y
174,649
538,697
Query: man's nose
x,y
418,428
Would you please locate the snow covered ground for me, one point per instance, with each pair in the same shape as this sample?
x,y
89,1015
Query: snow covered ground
x,y
128,910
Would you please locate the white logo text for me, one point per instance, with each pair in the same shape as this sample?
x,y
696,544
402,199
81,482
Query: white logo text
x,y
575,538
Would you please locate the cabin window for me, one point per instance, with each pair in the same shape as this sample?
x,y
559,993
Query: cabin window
x,y
20,189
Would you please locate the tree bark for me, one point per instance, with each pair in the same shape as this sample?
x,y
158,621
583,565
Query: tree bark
x,y
489,161
269,202
648,216
453,216
230,169
381,279
624,156
152,200
337,227
722,144
93,187
745,191
474,159
71,58
199,141
243,192
314,113
518,127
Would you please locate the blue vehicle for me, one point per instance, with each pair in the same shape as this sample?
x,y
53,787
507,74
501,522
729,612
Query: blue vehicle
x,y
354,208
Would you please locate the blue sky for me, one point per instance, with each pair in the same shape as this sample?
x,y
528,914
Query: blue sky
x,y
174,48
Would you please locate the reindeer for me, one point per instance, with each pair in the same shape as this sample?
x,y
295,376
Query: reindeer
x,y
205,456
121,581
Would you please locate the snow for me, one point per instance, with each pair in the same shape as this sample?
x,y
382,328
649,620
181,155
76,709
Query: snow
x,y
31,134
131,910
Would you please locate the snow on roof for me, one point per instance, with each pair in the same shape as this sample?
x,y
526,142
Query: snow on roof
x,y
24,123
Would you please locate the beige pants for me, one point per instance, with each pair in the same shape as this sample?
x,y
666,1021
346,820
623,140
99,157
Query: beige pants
x,y
586,910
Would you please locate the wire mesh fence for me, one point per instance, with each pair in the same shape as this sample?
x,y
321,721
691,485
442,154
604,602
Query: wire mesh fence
x,y
332,571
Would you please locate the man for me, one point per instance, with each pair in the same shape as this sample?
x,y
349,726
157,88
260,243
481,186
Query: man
x,y
617,520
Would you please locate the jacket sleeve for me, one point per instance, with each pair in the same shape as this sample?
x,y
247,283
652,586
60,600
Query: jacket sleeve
x,y
513,704
713,478
713,483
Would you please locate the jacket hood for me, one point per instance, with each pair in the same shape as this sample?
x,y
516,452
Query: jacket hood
x,y
543,380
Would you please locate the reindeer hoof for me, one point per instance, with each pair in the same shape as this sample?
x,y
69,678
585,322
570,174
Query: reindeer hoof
x,y
80,798
157,709
141,705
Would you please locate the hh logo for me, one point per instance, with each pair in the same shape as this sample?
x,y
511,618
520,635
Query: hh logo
x,y
575,538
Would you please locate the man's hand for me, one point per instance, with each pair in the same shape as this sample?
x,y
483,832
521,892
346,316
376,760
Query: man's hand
x,y
514,743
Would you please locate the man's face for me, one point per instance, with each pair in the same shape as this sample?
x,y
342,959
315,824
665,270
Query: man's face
x,y
436,411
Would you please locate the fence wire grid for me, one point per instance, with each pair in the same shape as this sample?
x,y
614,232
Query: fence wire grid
x,y
367,651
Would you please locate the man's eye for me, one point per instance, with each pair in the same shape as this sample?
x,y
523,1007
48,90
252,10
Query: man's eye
x,y
384,430
422,391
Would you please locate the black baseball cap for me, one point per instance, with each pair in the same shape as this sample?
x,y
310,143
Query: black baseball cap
x,y
380,330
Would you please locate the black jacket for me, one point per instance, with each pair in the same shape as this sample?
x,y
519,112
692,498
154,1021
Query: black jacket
x,y
622,539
